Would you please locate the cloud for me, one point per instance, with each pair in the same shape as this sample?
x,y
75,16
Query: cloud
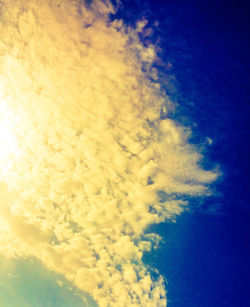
x,y
93,164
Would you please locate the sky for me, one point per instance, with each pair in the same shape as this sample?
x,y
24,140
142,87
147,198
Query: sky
x,y
124,153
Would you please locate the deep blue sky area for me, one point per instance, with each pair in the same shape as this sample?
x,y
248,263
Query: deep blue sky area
x,y
206,253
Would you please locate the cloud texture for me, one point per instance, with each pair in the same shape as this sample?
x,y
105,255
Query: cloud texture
x,y
86,162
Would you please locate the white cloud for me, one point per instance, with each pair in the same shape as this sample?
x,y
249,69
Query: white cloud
x,y
60,283
94,164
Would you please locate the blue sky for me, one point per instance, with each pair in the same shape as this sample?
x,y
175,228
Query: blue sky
x,y
206,255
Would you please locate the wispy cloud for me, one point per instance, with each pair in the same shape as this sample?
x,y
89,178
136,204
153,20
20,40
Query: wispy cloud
x,y
94,164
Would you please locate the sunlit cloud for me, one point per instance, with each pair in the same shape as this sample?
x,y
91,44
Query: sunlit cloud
x,y
88,163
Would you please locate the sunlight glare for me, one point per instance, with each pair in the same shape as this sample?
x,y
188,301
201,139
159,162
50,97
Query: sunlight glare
x,y
8,138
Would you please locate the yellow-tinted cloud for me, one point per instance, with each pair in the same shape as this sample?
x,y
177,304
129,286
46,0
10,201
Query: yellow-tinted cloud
x,y
93,165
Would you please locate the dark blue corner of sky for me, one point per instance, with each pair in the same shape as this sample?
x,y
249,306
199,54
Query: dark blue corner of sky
x,y
206,253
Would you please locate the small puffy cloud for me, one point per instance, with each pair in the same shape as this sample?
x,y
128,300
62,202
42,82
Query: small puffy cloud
x,y
93,163
60,283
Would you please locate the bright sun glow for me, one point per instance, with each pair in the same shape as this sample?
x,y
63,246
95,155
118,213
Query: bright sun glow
x,y
8,139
